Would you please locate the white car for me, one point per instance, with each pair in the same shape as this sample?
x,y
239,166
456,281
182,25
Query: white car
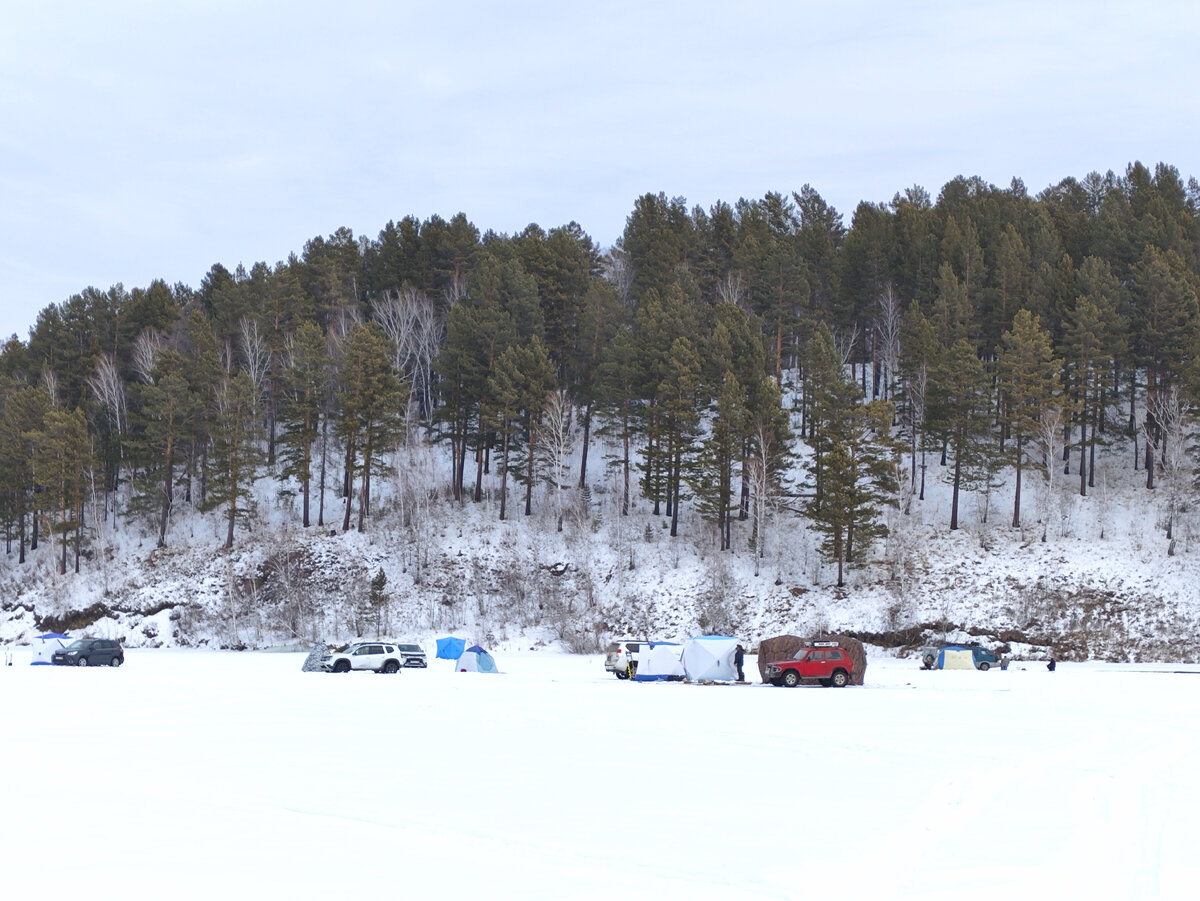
x,y
413,655
377,656
621,656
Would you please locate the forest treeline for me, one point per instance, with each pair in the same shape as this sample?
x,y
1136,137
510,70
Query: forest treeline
x,y
987,328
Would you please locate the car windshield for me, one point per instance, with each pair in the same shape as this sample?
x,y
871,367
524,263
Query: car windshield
x,y
410,647
78,645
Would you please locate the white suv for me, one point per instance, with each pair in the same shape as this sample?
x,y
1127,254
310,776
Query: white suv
x,y
377,656
621,656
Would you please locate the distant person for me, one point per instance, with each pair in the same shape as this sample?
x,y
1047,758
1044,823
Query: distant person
x,y
1051,665
738,656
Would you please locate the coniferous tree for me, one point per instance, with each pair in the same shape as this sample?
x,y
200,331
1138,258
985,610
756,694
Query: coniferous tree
x,y
62,463
237,453
960,385
1092,345
371,414
24,413
305,379
520,383
166,409
677,402
1030,384
719,459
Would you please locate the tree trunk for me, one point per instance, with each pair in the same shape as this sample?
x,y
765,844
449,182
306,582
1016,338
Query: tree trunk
x,y
587,432
1016,521
504,471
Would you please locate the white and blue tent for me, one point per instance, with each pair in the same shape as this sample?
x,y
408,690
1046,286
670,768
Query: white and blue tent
x,y
956,658
44,647
476,660
710,658
660,661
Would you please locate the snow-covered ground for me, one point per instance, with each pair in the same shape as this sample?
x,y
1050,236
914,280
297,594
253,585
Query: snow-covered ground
x,y
201,774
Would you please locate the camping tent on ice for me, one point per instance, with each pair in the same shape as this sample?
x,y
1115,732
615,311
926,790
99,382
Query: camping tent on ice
x,y
44,647
956,658
476,660
710,657
450,648
660,661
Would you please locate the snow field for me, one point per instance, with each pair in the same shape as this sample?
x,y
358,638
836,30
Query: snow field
x,y
191,774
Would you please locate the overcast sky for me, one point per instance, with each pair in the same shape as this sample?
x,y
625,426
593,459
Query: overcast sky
x,y
143,140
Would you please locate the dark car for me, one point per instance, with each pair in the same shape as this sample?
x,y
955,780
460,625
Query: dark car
x,y
90,652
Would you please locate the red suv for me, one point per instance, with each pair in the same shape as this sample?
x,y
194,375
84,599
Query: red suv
x,y
820,661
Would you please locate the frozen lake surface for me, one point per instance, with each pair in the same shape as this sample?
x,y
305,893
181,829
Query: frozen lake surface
x,y
199,774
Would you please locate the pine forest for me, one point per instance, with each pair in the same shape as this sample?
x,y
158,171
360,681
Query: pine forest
x,y
760,386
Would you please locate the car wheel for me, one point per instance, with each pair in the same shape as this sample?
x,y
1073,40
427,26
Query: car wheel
x,y
620,674
839,679
928,660
342,666
82,661
391,667
116,661
984,666
791,678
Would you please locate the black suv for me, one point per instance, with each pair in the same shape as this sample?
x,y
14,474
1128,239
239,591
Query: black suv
x,y
90,652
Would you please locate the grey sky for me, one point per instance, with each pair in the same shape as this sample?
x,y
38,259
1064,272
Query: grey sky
x,y
143,140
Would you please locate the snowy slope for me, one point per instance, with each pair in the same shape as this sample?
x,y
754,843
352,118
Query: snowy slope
x,y
1101,585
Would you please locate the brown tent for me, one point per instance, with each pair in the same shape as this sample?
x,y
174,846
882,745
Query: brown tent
x,y
784,647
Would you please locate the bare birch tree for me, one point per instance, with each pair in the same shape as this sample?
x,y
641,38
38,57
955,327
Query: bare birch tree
x,y
1168,413
145,353
256,355
556,444
411,324
889,338
109,389
1048,439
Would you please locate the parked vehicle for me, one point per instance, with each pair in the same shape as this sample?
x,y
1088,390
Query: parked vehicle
x,y
960,656
621,656
376,656
413,655
822,662
90,652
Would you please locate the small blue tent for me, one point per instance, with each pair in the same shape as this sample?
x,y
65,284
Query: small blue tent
x,y
450,648
476,660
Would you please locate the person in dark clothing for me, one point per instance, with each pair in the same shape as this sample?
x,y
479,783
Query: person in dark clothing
x,y
1050,666
738,656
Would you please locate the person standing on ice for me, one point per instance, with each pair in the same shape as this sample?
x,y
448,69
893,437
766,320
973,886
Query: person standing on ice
x,y
1051,665
738,656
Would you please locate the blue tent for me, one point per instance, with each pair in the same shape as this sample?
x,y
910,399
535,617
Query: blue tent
x,y
476,660
450,648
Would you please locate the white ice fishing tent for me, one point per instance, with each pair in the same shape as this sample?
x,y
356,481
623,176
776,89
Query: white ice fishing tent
x,y
661,661
956,658
44,647
476,660
710,657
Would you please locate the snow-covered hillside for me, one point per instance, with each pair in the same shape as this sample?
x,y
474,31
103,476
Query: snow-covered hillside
x,y
1100,585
